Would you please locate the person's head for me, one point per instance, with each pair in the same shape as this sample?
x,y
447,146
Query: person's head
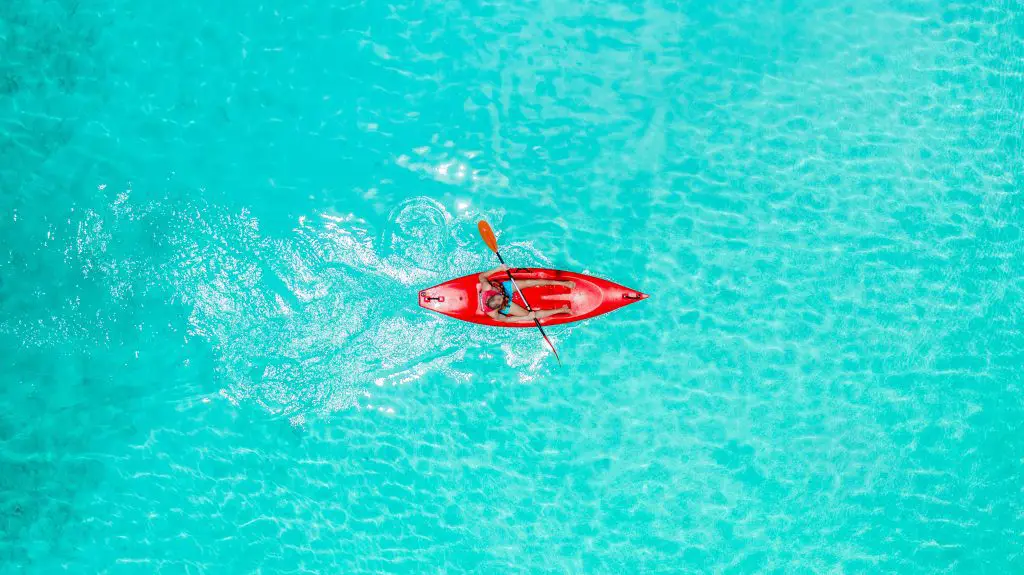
x,y
496,301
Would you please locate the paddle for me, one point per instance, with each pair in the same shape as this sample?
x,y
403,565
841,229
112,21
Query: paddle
x,y
492,242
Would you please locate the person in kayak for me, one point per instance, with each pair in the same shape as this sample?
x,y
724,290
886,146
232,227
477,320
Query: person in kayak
x,y
496,298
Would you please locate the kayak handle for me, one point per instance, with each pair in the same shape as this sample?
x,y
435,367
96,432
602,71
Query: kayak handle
x,y
438,298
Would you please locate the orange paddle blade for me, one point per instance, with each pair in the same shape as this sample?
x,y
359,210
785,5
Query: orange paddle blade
x,y
488,235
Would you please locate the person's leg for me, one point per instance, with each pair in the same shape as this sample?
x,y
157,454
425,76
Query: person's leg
x,y
543,313
540,283
519,313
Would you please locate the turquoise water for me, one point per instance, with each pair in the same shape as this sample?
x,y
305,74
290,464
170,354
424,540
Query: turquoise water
x,y
216,217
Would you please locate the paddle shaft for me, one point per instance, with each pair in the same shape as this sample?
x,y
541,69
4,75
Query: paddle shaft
x,y
514,284
487,234
528,308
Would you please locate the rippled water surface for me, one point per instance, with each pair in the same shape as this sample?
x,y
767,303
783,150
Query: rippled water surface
x,y
216,217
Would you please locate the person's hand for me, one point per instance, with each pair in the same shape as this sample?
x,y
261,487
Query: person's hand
x,y
531,315
503,267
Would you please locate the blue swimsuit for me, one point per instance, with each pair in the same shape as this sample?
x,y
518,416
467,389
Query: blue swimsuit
x,y
506,286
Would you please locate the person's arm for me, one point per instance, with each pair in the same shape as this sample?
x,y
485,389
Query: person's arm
x,y
498,316
484,282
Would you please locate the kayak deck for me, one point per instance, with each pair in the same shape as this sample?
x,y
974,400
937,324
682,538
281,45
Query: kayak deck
x,y
592,296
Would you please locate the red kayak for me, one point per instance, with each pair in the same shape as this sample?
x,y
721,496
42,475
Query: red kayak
x,y
460,297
